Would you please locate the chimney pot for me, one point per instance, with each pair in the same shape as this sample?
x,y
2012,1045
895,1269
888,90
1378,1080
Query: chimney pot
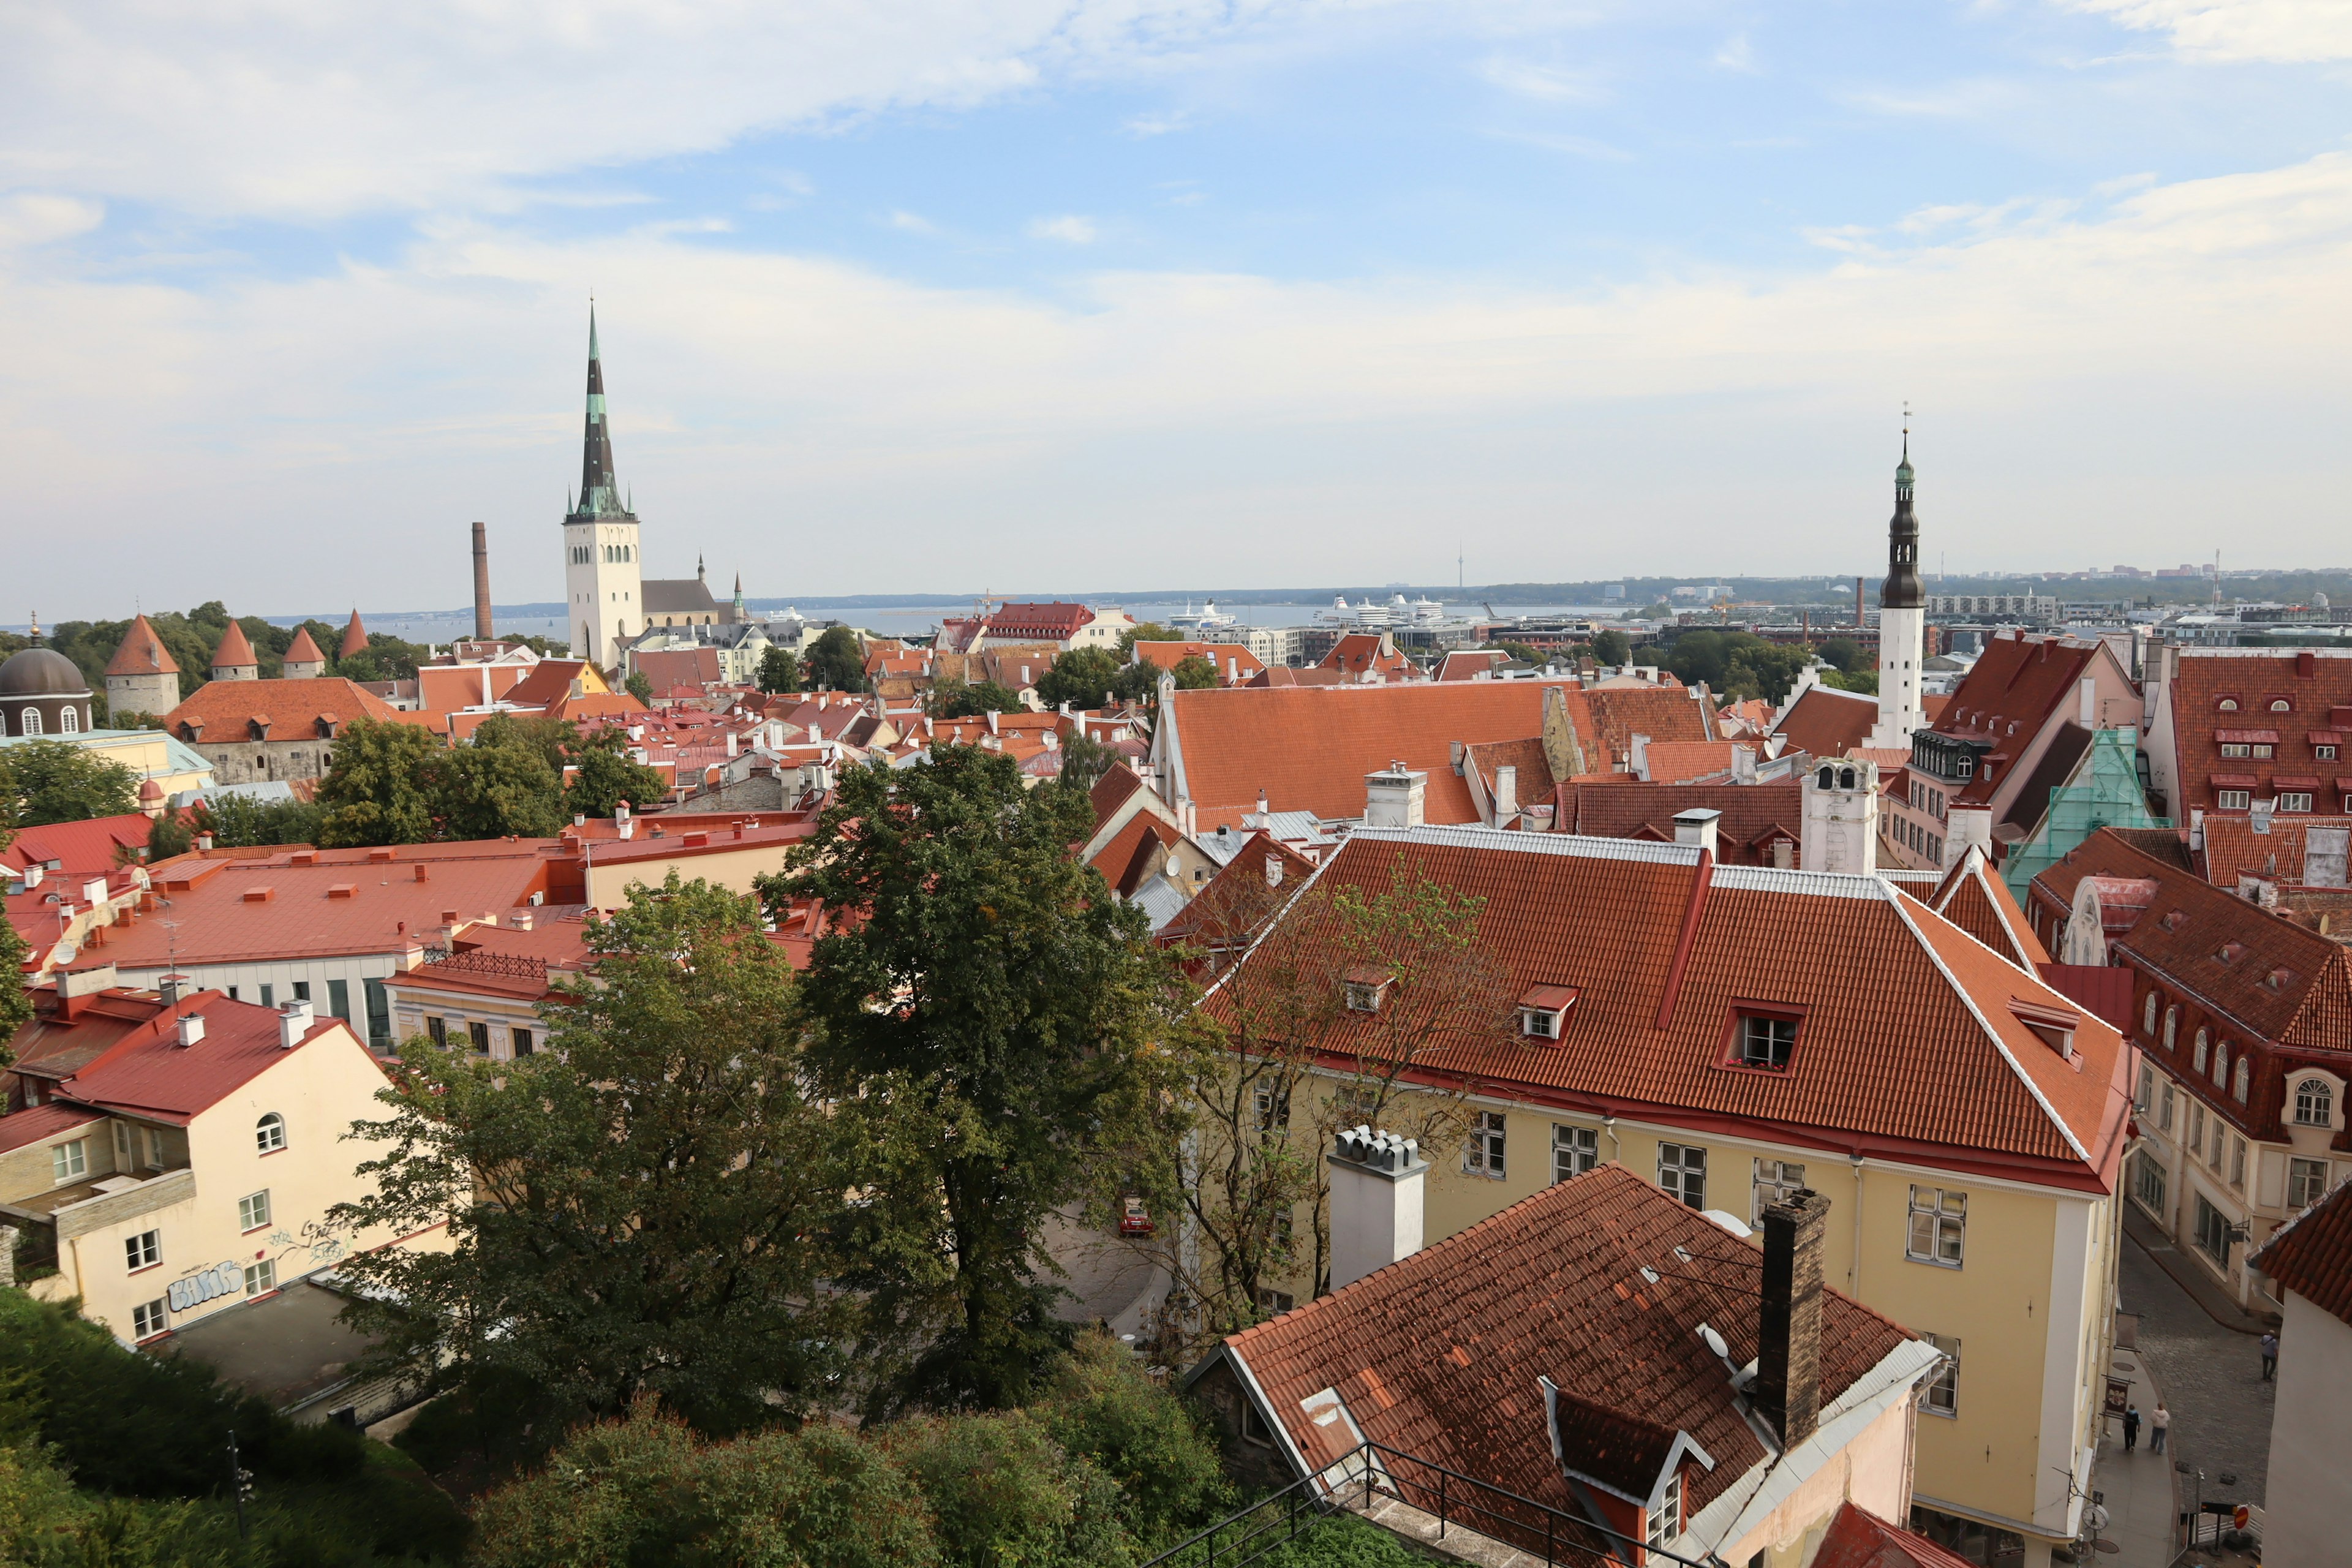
x,y
1698,826
1376,1202
1788,1390
420,871
191,1029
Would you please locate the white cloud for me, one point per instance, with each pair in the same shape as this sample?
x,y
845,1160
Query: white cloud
x,y
32,218
1157,124
1736,55
1552,84
1069,229
2293,31
911,223
834,430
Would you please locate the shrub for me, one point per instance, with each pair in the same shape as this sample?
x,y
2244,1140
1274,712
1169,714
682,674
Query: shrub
x,y
1101,1408
1002,1491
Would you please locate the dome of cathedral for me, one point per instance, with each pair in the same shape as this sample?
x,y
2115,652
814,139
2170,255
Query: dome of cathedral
x,y
41,672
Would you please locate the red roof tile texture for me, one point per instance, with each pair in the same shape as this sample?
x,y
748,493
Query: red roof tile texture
x,y
1825,721
37,1122
1908,1038
1857,1539
1613,715
231,711
1234,663
2015,688
142,652
150,1073
2318,691
691,667
1754,815
2232,848
1981,904
354,638
2311,1255
304,649
236,649
1438,1355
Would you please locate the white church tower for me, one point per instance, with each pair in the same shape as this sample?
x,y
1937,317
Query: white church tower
x,y
1902,623
601,570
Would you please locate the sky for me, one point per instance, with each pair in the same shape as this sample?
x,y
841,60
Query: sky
x,y
1021,295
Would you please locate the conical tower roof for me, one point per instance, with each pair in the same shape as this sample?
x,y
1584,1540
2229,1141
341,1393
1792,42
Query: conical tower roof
x,y
235,650
354,638
305,648
599,493
142,652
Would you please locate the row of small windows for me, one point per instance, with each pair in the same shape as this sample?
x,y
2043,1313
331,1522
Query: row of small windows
x,y
2321,751
29,721
2276,705
613,555
2211,1057
2289,801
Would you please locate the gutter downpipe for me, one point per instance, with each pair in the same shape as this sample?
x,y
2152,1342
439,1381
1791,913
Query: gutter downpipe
x,y
1855,1273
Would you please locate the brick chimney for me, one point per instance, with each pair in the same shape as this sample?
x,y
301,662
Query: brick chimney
x,y
482,583
1788,1389
1376,1202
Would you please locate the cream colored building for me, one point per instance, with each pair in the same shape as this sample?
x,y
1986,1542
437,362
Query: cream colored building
x,y
150,755
192,1166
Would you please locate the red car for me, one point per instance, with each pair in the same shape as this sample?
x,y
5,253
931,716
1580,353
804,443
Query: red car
x,y
1136,1220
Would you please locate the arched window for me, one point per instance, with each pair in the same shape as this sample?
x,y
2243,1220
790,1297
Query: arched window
x,y
2281,705
29,721
71,721
2314,1103
2200,1050
2228,705
2244,1083
270,1134
2147,1015
2171,1024
1825,780
2220,1064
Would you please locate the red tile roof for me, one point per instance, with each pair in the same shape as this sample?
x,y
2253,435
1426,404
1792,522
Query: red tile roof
x,y
1283,675
2233,847
1688,762
1359,652
1598,1283
142,652
304,649
2311,1255
1858,1539
2316,686
1909,1041
1055,622
236,649
1981,904
1826,720
54,1045
1468,664
235,711
1111,790
1233,662
36,1123
2016,687
149,1073
354,638
1239,890
85,848
1533,784
689,667
1666,714
1754,815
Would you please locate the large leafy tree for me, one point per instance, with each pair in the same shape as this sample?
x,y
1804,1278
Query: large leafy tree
x,y
780,671
608,775
499,783
984,1013
379,784
1083,677
54,781
953,699
15,1004
837,661
641,1207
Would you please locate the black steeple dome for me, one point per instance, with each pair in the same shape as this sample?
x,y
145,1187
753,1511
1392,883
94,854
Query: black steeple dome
x,y
1901,590
600,496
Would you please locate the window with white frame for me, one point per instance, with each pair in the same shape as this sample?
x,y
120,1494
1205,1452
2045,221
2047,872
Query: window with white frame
x,y
2197,1129
1363,995
2220,1063
1939,1222
1764,1040
68,1162
143,1251
2152,1183
2314,1103
2295,800
2164,1110
1273,1303
2238,1163
147,1318
1574,1151
2147,1015
2324,752
155,1147
1777,1180
260,1278
1664,1522
2232,799
2216,1160
2171,1023
253,1210
2307,1183
1682,1171
2243,1085
270,1134
1943,1393
1272,1098
2204,1047
1482,1156
2143,1093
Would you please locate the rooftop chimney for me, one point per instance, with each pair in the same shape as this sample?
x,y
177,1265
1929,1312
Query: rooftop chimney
x,y
1698,827
192,1029
1506,794
293,1023
75,986
482,582
1393,797
1788,1389
1376,1202
622,826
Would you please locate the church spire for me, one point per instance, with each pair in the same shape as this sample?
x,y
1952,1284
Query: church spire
x,y
599,495
1901,591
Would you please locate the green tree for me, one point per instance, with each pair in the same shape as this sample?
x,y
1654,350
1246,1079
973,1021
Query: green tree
x,y
384,659
642,1207
167,836
608,775
1194,673
1612,647
1083,677
16,1002
780,671
378,788
1846,654
1084,761
498,783
1144,631
54,781
952,699
238,822
982,1013
1521,653
1098,1406
837,661
1002,1491
639,687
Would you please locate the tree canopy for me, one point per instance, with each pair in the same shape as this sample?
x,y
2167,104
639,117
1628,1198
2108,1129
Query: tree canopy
x,y
1612,647
836,660
1194,673
982,1012
780,671
952,699
608,775
378,786
1083,677
56,781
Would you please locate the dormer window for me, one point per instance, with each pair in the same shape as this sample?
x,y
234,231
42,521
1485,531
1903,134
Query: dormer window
x,y
1665,1522
1763,1036
2227,705
1543,1011
1363,990
2053,1026
2281,705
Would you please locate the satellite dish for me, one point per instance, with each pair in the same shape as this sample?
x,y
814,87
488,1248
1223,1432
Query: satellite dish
x,y
1715,1341
65,953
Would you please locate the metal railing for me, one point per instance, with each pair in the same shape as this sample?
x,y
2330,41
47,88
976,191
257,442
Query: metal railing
x,y
1374,1472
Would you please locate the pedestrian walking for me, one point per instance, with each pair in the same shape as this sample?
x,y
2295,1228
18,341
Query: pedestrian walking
x,y
2269,1356
2131,1428
2158,1424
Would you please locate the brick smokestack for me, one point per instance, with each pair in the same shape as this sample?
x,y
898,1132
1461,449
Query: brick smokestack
x,y
1789,1358
482,581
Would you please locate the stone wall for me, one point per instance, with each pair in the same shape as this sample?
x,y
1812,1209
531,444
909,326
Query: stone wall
x,y
257,761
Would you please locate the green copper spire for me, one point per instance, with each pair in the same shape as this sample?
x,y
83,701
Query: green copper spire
x,y
600,496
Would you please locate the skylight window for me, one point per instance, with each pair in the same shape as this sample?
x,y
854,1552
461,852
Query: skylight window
x,y
1763,1037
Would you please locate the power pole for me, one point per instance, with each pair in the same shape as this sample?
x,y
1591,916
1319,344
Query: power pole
x,y
240,1481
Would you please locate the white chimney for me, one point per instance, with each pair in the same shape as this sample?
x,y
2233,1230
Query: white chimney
x,y
1966,827
192,1029
1840,827
1394,797
623,827
2197,828
1698,827
1507,793
293,1023
1376,1202
2086,694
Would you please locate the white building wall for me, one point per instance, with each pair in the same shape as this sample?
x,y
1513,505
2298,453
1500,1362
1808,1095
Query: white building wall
x,y
2309,1496
605,597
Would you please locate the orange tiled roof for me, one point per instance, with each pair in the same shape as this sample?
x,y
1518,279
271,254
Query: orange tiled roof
x,y
354,638
1110,792
1688,762
1468,664
1909,1039
1666,714
1825,721
2311,1255
1981,904
1534,783
1858,1539
2317,690
279,710
148,1073
550,679
142,652
1598,1283
1754,815
1359,652
304,649
693,668
236,649
1233,662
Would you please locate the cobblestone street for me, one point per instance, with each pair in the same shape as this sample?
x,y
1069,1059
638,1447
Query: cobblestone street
x,y
2210,1375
